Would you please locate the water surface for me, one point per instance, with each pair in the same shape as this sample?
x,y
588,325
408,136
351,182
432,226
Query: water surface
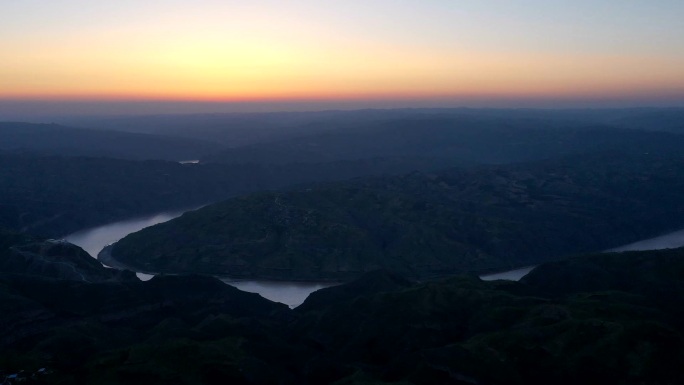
x,y
511,275
668,241
294,293
291,294
93,240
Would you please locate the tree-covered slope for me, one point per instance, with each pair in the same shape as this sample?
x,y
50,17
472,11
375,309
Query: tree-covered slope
x,y
36,257
465,331
56,195
620,324
423,224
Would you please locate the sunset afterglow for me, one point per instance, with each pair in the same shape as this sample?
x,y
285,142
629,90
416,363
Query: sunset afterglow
x,y
306,50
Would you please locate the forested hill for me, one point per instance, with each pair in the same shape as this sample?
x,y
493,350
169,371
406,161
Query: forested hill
x,y
581,321
56,195
423,224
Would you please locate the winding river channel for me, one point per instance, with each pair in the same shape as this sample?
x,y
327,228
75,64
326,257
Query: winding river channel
x,y
93,240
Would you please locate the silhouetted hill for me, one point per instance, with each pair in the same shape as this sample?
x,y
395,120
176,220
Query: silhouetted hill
x,y
465,331
380,329
69,319
379,281
30,256
655,272
52,139
423,224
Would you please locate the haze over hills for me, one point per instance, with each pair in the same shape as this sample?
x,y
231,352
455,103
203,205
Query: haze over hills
x,y
241,129
453,141
52,139
57,195
456,136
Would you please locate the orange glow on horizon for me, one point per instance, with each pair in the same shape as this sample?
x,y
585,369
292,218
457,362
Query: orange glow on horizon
x,y
133,65
367,74
266,51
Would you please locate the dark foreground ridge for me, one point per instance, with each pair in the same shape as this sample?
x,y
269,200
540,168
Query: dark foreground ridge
x,y
423,225
607,318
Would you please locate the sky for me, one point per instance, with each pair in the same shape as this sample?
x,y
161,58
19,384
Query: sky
x,y
347,53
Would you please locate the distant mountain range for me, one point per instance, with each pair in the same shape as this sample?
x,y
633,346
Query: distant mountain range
x,y
452,141
53,139
241,129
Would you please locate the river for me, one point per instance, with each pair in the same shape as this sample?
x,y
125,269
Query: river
x,y
667,241
294,293
93,240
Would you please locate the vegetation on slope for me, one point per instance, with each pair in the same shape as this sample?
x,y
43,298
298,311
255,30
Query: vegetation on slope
x,y
55,196
622,323
466,331
422,224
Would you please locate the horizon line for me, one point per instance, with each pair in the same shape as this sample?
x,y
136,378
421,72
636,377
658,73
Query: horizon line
x,y
12,109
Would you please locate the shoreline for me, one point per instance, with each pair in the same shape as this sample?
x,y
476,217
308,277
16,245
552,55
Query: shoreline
x,y
105,258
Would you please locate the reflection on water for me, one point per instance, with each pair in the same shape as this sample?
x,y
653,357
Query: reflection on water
x,y
512,275
291,294
294,293
667,241
95,239
144,277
